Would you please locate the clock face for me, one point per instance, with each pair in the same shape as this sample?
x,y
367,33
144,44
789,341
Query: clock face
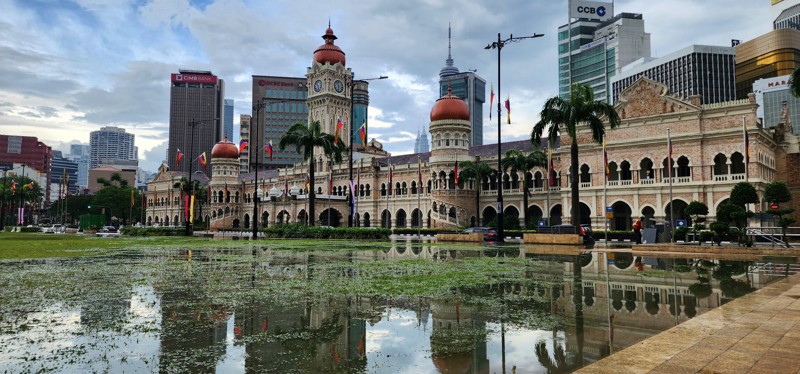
x,y
318,86
338,86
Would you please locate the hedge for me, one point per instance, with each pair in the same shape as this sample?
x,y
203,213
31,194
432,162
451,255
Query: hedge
x,y
424,231
23,229
297,231
613,234
153,231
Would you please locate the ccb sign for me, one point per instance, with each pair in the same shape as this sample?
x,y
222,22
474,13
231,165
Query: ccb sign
x,y
591,10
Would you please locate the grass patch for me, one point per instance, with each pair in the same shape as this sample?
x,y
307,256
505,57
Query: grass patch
x,y
35,245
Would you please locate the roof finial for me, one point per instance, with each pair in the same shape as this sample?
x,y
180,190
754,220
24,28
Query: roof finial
x,y
449,87
329,21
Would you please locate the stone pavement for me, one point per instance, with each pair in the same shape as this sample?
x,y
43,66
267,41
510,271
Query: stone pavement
x,y
757,333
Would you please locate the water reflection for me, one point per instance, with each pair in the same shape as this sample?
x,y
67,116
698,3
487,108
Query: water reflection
x,y
405,307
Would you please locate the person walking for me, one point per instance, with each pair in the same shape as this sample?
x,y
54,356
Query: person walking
x,y
637,230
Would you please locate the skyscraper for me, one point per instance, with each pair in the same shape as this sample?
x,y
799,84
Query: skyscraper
x,y
285,106
707,71
786,13
468,86
615,43
360,105
195,117
771,55
421,145
112,146
244,135
63,173
228,122
81,154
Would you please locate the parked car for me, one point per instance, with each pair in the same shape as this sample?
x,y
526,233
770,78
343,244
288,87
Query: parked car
x,y
488,232
585,231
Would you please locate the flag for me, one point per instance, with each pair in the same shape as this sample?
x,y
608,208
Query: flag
x,y
308,183
191,210
362,132
456,173
30,186
391,177
339,126
419,174
551,174
746,145
226,188
185,206
203,160
133,202
605,158
242,145
508,109
353,189
13,187
269,149
491,99
178,158
669,158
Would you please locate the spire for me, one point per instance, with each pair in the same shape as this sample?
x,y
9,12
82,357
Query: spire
x,y
448,69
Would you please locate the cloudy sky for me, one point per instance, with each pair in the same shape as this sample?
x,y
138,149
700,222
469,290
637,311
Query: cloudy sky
x,y
69,67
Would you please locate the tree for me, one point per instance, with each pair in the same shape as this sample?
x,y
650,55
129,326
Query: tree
x,y
304,139
475,170
559,115
794,82
776,193
518,161
697,210
743,193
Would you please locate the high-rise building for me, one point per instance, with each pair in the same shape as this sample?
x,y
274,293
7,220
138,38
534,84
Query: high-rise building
x,y
195,117
708,71
578,31
285,106
615,43
468,86
244,135
112,145
786,13
81,155
772,94
227,127
29,152
360,105
421,145
770,55
63,173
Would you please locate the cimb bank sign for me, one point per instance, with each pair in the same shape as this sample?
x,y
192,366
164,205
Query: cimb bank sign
x,y
591,10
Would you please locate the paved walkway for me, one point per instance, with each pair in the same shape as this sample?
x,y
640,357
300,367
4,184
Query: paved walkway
x,y
757,333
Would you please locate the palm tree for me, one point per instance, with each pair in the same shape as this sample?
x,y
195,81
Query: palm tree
x,y
304,139
475,170
565,116
794,82
115,177
518,161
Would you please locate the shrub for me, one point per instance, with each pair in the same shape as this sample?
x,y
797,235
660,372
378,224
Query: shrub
x,y
297,231
424,231
153,231
680,233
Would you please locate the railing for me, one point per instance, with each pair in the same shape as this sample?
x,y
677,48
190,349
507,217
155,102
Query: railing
x,y
721,178
586,184
647,181
676,180
613,183
772,238
538,189
627,182
738,177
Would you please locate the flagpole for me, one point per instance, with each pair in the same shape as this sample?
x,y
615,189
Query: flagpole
x,y
605,188
746,150
669,166
549,161
419,191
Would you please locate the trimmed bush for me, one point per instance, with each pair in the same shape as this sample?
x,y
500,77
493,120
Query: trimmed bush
x,y
613,234
296,231
153,231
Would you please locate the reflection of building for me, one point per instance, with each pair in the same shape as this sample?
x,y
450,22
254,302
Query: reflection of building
x,y
458,341
709,158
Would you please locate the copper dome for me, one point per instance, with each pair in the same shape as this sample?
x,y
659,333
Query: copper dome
x,y
329,52
225,149
449,107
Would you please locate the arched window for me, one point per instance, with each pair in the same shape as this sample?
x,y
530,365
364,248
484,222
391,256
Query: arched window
x,y
368,192
585,176
737,163
538,182
720,164
683,167
383,189
625,171
413,187
646,169
613,171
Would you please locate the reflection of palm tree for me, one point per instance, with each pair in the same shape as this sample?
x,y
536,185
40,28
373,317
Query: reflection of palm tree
x,y
556,364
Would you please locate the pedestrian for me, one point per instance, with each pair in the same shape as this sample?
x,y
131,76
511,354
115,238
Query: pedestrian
x,y
637,230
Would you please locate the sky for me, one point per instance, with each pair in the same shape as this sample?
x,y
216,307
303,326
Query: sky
x,y
71,67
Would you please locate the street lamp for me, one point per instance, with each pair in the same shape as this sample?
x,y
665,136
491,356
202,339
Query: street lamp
x,y
260,105
192,124
352,135
499,44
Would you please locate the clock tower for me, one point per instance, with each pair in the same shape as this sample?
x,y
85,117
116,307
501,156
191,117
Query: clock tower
x,y
329,90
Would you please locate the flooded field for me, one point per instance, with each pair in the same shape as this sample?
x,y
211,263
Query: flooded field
x,y
369,308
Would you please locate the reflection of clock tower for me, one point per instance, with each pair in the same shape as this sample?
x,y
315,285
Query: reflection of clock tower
x,y
329,96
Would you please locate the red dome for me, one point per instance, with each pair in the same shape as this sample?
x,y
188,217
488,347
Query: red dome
x,y
329,52
225,149
449,107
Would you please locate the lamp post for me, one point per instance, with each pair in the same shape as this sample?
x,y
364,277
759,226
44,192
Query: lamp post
x,y
257,108
499,44
352,131
192,124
